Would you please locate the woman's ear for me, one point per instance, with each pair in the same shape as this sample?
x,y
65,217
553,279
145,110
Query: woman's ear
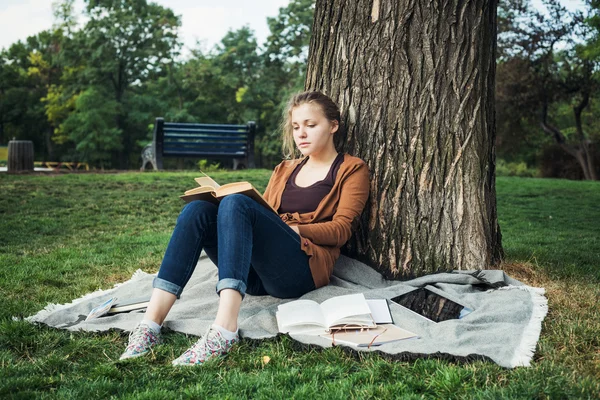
x,y
334,126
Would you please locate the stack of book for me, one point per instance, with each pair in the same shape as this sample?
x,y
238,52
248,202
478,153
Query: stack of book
x,y
115,306
349,319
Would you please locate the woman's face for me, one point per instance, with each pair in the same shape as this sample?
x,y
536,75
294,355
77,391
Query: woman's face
x,y
313,132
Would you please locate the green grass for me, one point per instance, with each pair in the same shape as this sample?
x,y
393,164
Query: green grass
x,y
552,222
63,235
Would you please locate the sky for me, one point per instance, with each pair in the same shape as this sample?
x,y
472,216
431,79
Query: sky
x,y
205,20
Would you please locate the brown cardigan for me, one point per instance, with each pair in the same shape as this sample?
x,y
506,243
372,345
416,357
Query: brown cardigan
x,y
324,231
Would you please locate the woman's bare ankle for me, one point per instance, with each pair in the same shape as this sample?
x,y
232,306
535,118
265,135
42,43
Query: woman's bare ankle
x,y
160,305
229,325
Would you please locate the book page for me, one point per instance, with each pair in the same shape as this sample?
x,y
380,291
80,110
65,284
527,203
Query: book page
x,y
207,181
299,312
339,309
380,311
354,322
235,187
200,189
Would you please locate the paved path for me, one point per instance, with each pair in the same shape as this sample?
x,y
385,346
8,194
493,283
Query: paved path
x,y
36,169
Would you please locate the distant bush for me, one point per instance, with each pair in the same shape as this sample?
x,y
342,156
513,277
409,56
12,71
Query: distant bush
x,y
206,167
555,162
521,169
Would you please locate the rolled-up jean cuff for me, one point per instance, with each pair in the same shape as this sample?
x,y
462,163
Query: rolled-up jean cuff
x,y
230,283
167,286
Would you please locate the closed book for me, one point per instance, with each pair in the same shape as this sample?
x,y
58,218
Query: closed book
x,y
101,309
377,336
127,305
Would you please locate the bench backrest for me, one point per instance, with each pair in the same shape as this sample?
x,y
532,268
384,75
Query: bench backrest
x,y
185,139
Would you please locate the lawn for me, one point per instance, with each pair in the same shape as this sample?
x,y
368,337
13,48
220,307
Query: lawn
x,y
64,235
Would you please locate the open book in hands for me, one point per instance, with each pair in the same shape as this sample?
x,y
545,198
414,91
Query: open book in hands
x,y
307,317
209,190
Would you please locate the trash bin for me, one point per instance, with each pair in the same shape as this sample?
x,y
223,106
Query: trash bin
x,y
20,156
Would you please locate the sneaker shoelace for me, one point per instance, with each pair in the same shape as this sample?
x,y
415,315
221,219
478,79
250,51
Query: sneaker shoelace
x,y
211,342
139,336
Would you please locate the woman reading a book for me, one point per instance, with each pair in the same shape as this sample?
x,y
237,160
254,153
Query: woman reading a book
x,y
258,252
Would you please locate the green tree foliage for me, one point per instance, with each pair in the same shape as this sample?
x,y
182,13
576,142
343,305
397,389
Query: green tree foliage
x,y
124,63
546,82
93,126
26,71
284,60
126,43
591,48
92,93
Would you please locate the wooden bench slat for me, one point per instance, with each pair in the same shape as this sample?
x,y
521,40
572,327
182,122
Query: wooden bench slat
x,y
200,146
207,131
201,126
206,153
203,144
173,148
169,138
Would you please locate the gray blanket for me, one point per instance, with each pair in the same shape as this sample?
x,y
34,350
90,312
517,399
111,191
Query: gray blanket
x,y
504,326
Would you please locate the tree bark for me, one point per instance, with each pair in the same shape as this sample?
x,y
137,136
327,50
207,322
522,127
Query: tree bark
x,y
415,82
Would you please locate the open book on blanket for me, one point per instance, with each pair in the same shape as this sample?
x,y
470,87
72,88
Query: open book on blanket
x,y
210,190
307,317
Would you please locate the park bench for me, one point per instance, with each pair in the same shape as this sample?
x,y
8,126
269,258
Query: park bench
x,y
175,139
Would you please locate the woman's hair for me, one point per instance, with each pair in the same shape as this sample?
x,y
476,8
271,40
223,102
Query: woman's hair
x,y
328,107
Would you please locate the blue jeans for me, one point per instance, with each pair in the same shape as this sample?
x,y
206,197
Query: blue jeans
x,y
253,249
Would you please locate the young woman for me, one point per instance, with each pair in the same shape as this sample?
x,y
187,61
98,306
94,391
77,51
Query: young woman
x,y
256,251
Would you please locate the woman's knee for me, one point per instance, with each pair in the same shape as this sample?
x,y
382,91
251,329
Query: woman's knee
x,y
234,202
197,210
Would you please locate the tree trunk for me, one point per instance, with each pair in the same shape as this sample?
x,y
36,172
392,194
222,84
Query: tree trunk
x,y
590,164
584,158
49,145
415,84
